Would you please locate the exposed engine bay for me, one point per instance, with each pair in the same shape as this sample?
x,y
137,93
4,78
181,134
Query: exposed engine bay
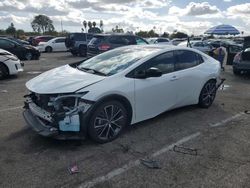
x,y
59,112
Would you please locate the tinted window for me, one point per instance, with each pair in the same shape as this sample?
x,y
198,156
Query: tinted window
x,y
118,40
161,40
140,41
89,37
60,40
164,62
186,59
78,36
96,40
6,44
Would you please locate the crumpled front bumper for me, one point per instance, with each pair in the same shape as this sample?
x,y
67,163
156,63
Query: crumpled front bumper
x,y
38,126
47,124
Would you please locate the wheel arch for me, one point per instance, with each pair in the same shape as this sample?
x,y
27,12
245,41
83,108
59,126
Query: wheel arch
x,y
5,67
120,99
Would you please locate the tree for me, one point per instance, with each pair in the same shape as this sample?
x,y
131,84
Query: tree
x,y
11,29
42,23
117,29
85,25
152,33
101,25
89,24
20,32
94,24
165,34
178,34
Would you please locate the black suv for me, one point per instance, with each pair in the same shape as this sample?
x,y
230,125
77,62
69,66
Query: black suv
x,y
77,43
104,42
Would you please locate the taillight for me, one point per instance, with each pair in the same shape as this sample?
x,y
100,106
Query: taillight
x,y
104,47
237,58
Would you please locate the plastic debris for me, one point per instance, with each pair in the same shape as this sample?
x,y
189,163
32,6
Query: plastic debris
x,y
247,112
184,150
73,169
152,164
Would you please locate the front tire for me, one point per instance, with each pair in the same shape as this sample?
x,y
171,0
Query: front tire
x,y
28,56
107,121
208,94
82,51
3,71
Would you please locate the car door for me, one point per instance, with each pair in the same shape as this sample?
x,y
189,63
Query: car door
x,y
59,44
156,94
188,77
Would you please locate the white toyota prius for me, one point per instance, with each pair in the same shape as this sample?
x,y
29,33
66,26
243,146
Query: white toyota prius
x,y
101,95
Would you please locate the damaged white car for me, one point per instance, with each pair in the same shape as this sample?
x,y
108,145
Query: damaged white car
x,y
100,96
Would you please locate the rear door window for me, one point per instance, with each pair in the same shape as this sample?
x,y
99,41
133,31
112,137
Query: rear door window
x,y
59,40
96,40
185,59
118,40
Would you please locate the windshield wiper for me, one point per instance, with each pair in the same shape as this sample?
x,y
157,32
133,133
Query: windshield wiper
x,y
92,70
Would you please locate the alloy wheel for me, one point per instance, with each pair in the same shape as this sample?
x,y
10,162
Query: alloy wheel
x,y
209,93
109,122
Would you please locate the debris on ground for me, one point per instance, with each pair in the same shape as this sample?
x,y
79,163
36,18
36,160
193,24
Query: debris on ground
x,y
185,150
247,112
73,169
152,164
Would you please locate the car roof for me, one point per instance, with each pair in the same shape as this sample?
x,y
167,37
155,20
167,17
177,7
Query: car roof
x,y
8,39
114,34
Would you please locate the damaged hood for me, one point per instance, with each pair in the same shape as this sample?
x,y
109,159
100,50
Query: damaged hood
x,y
65,79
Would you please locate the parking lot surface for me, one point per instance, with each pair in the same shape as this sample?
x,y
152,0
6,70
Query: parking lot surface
x,y
192,147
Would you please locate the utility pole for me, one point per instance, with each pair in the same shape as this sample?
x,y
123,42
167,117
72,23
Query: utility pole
x,y
61,25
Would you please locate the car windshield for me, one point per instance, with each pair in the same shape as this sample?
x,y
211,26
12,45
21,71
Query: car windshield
x,y
115,61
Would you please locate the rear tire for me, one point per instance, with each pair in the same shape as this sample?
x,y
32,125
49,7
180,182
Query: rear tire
x,y
4,72
48,49
236,71
208,94
107,121
73,53
82,51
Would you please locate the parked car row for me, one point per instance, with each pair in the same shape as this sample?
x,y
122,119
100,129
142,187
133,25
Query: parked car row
x,y
84,44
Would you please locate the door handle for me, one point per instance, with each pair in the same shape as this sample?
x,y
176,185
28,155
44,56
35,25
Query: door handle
x,y
174,78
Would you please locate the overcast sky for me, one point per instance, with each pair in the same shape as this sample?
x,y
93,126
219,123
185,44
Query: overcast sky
x,y
193,17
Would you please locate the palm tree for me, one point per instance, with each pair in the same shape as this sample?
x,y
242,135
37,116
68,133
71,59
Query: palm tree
x,y
90,24
101,25
85,25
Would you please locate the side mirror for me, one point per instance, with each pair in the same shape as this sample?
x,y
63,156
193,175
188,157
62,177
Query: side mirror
x,y
151,72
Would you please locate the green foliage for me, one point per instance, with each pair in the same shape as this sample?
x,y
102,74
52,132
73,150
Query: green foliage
x,y
117,29
147,34
178,35
11,30
42,23
165,35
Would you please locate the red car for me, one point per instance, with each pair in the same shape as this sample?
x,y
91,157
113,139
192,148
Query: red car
x,y
38,39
